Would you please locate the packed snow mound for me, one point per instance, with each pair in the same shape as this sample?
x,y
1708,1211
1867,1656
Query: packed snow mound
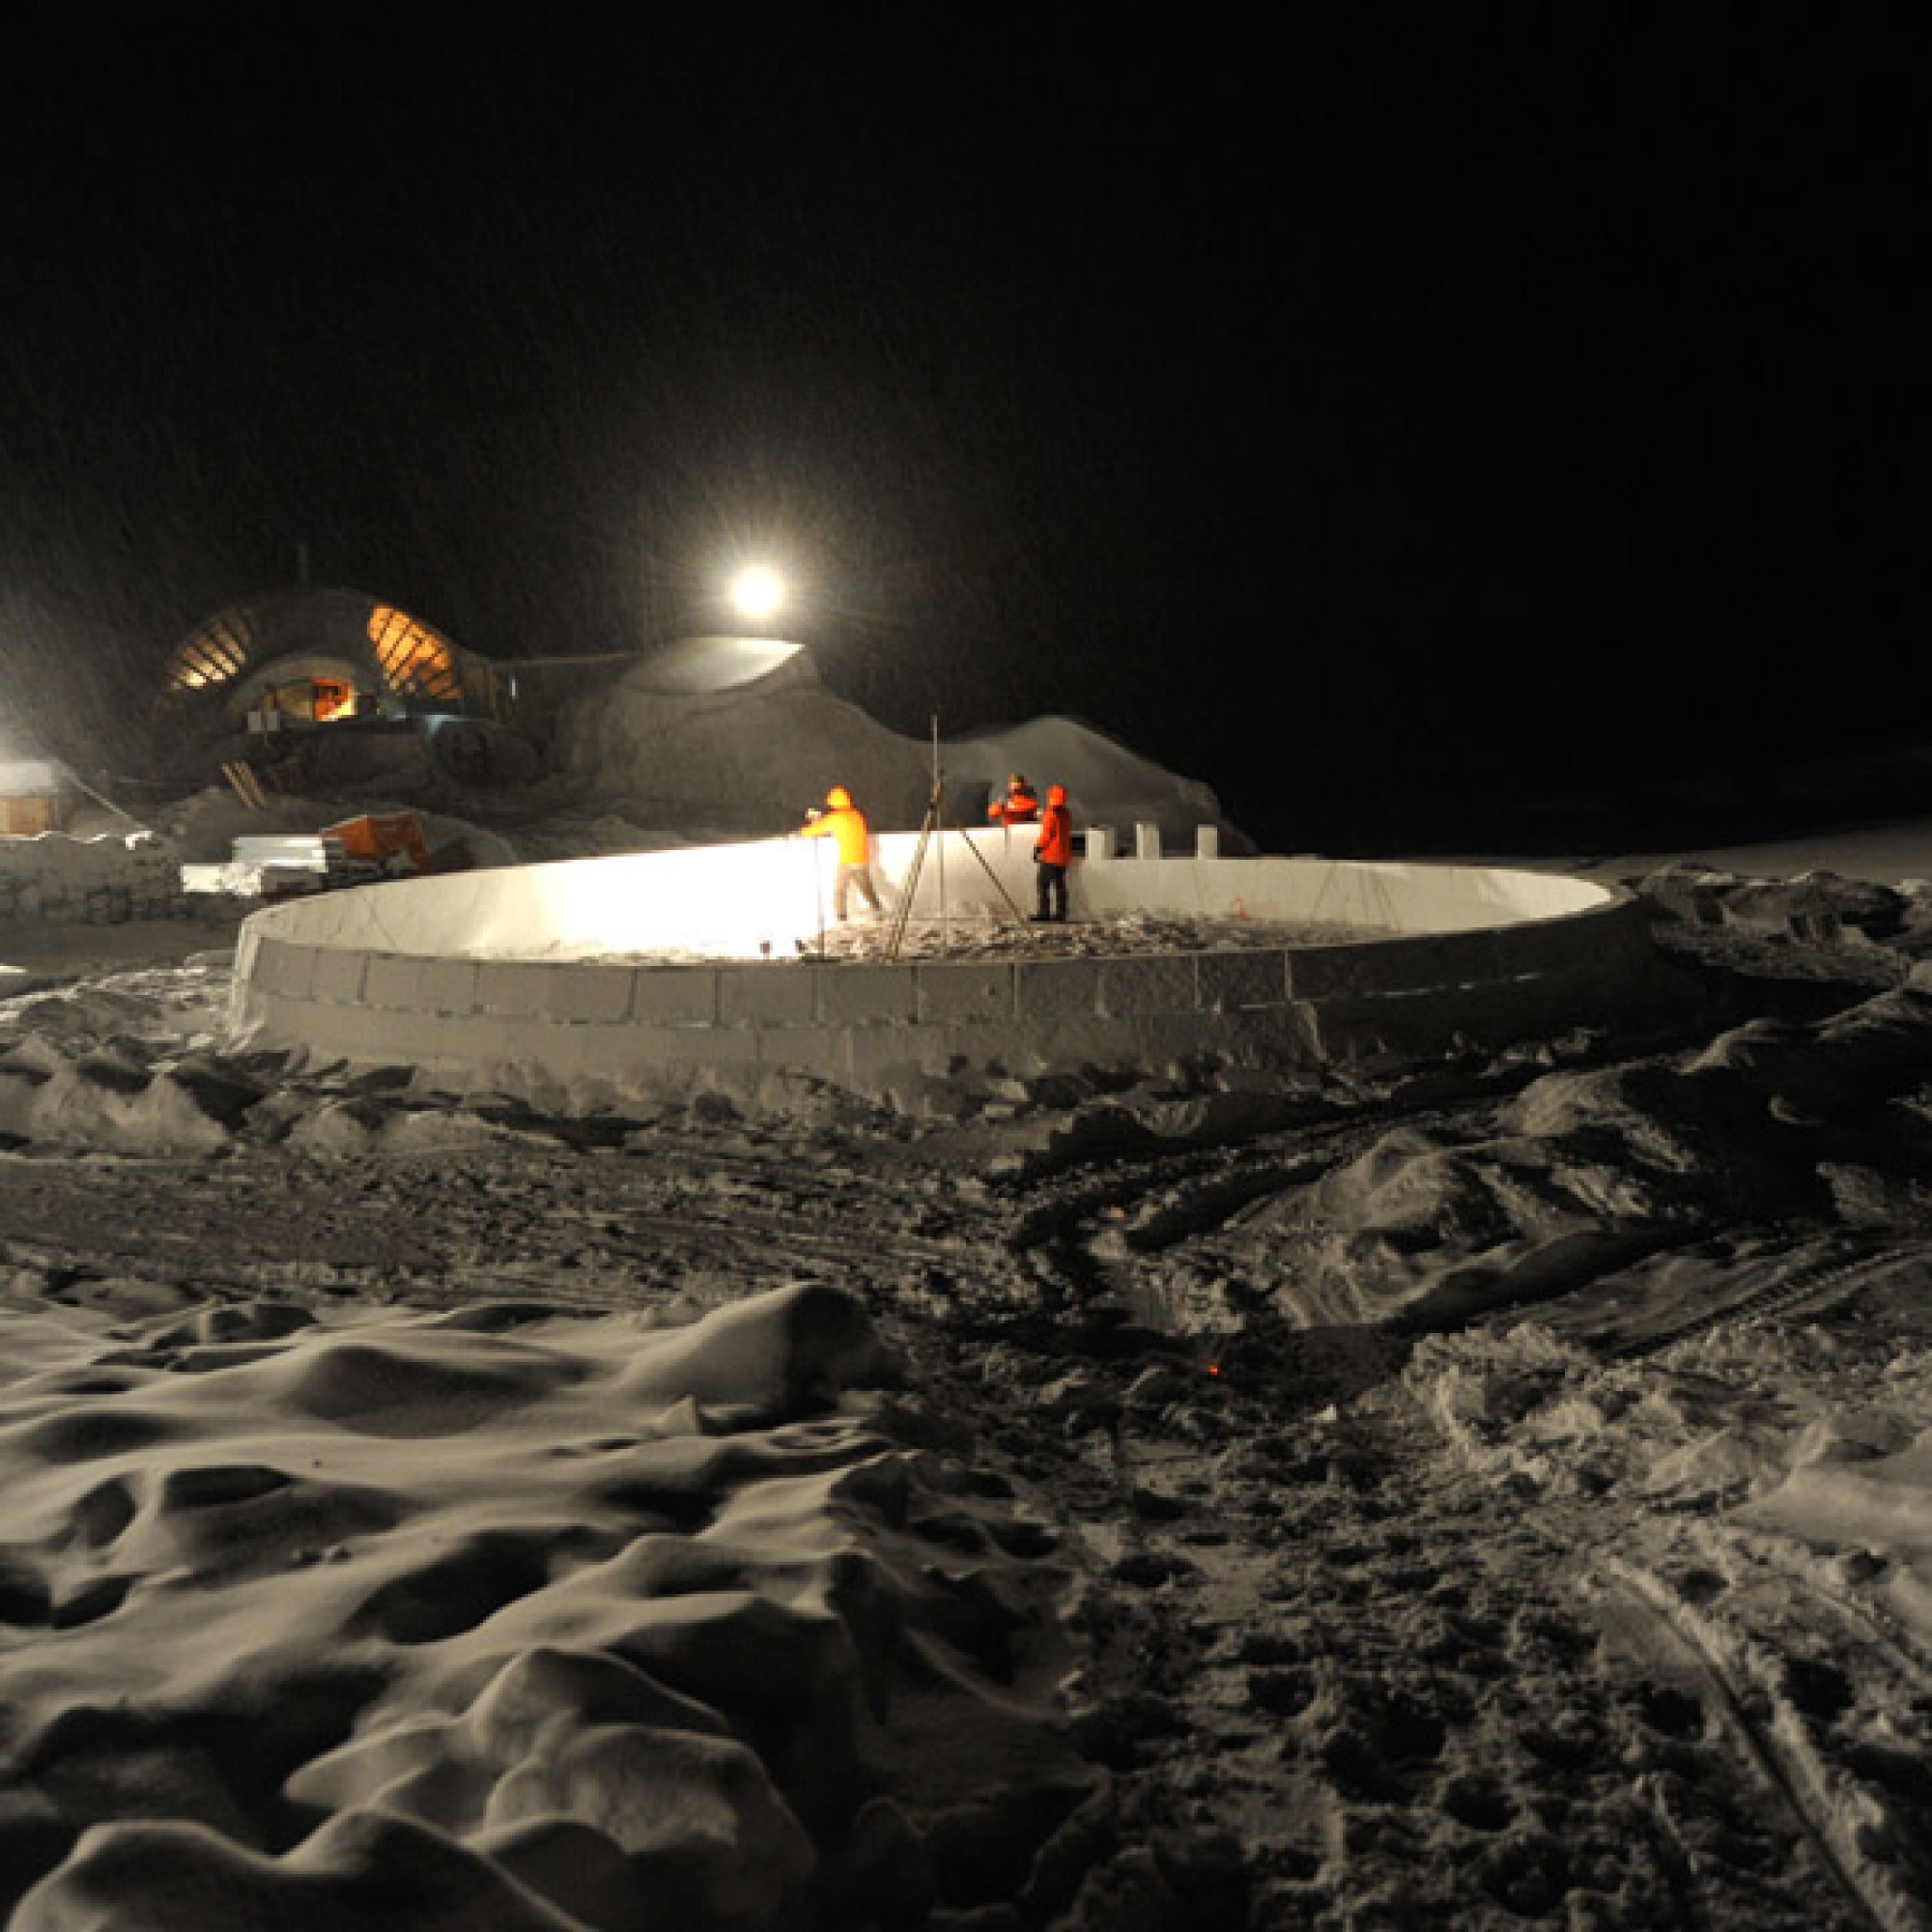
x,y
1593,1168
1813,905
696,667
1108,782
746,762
527,1618
691,740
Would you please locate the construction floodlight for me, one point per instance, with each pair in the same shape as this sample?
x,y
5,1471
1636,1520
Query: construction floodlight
x,y
757,593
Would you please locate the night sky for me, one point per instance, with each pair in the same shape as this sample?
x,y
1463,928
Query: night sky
x,y
1335,403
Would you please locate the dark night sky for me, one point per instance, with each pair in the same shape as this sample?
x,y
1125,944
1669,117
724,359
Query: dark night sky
x,y
1325,400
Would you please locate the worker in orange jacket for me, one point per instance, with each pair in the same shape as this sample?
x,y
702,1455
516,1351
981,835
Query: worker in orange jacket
x,y
1020,805
844,824
1052,854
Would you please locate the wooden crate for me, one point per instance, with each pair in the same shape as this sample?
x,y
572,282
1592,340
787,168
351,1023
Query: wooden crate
x,y
28,816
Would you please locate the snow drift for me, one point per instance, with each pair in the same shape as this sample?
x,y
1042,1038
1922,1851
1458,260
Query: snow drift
x,y
500,1617
700,735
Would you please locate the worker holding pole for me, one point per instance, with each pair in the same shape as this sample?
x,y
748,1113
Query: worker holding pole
x,y
845,825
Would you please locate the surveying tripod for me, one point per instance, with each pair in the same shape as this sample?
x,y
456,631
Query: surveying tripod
x,y
927,828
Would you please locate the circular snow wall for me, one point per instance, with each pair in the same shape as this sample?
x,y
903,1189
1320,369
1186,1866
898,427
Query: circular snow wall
x,y
557,972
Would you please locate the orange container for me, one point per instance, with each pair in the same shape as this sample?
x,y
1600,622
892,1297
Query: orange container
x,y
377,835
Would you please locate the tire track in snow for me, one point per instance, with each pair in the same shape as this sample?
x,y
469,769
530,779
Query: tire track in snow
x,y
1662,1626
600,1230
1813,1285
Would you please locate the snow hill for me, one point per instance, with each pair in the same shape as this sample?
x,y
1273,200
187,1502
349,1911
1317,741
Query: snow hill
x,y
713,732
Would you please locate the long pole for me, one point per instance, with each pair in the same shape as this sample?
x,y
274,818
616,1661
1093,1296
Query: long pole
x,y
938,783
1019,918
818,891
902,913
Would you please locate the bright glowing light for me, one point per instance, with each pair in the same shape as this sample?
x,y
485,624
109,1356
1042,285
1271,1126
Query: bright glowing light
x,y
763,898
757,591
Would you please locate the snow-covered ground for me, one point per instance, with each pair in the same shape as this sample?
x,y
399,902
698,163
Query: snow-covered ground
x,y
1479,1493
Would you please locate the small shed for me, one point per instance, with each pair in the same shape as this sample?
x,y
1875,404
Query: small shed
x,y
35,795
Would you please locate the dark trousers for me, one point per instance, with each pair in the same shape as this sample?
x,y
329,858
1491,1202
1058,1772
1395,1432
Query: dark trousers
x,y
1052,887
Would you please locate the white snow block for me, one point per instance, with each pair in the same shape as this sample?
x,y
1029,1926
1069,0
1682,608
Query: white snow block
x,y
975,989
514,989
782,994
866,995
1159,983
592,994
820,1053
247,944
284,970
449,986
578,994
1416,963
1239,981
1147,842
648,1050
337,977
395,980
468,1041
679,996
1057,988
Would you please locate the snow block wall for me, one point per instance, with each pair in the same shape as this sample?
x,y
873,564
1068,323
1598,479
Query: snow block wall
x,y
501,976
103,881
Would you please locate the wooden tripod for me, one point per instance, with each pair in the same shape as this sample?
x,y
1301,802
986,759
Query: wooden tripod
x,y
927,828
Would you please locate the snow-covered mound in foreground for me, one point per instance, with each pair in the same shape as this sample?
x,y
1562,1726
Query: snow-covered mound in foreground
x,y
1623,1167
504,1617
666,743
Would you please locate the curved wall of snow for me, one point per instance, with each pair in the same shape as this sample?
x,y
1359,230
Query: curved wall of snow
x,y
522,970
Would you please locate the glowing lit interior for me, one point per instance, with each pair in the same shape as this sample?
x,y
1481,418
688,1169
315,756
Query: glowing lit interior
x,y
772,899
221,650
414,662
766,899
315,671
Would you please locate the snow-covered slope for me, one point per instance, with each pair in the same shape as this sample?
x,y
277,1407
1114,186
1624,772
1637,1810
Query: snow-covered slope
x,y
704,734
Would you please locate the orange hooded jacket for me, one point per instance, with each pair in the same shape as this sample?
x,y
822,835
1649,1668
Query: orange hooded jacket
x,y
1055,844
1018,805
842,822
